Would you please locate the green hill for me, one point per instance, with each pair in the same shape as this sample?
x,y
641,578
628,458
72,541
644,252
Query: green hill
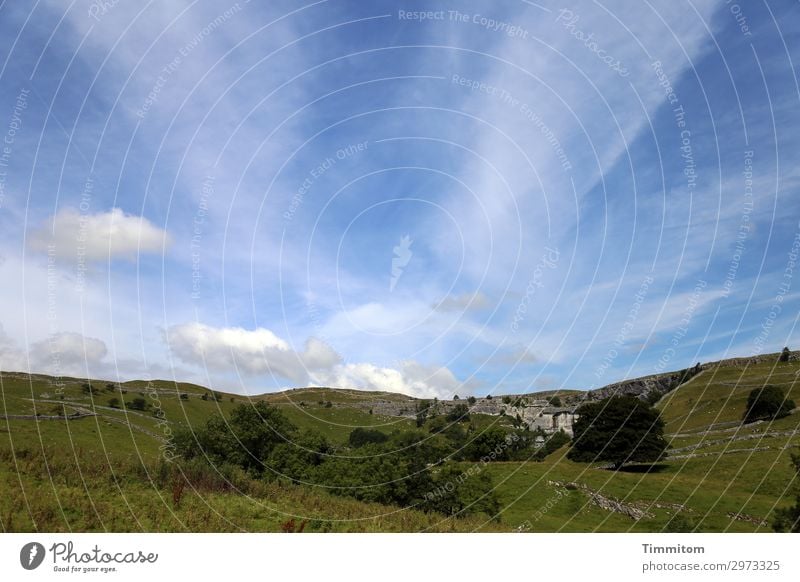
x,y
77,454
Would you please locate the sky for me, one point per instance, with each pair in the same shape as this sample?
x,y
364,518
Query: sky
x,y
430,198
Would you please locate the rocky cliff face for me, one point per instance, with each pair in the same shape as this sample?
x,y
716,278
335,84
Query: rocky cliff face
x,y
646,386
640,387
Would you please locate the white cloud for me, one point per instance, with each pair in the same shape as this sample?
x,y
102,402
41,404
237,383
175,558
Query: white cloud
x,y
260,352
60,354
11,357
67,353
252,352
98,236
413,379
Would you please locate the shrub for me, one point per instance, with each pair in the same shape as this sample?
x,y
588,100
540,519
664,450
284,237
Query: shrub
x,y
784,357
459,413
137,404
297,460
184,396
554,401
767,403
381,473
462,492
472,400
113,402
492,444
245,440
680,523
329,404
364,436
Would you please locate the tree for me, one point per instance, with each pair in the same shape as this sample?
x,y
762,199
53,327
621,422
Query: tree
x,y
784,357
459,413
788,519
245,439
298,459
363,436
423,408
137,403
204,396
492,445
471,400
618,430
455,397
767,403
459,492
554,401
488,397
113,402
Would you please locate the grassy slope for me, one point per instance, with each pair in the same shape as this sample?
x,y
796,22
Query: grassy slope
x,y
721,478
724,477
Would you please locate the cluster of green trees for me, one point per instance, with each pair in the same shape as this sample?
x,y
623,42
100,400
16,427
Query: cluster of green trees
x,y
419,468
405,468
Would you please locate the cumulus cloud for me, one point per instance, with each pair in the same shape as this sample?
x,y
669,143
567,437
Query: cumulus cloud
x,y
253,352
98,236
67,353
463,302
260,351
60,354
413,379
11,357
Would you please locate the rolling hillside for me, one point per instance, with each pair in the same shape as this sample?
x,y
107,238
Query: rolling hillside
x,y
75,455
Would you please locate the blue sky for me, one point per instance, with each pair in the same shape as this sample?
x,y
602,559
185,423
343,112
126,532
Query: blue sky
x,y
498,197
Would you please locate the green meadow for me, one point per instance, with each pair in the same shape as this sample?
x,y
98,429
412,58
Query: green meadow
x,y
78,455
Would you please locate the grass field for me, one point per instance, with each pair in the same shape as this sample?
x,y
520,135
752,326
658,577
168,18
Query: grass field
x,y
101,469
